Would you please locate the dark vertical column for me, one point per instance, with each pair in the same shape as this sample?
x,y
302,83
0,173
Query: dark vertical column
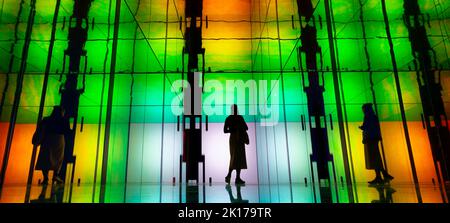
x,y
109,103
430,87
20,77
99,129
43,95
400,100
337,95
192,141
12,57
70,92
311,52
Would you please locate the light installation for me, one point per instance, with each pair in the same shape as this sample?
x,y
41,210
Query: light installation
x,y
393,54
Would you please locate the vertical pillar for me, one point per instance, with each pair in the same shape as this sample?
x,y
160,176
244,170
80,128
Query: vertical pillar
x,y
43,96
400,100
18,92
192,117
314,88
70,92
430,88
110,101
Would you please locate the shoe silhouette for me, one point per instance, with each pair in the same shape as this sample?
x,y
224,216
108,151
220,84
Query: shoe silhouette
x,y
388,178
376,181
239,181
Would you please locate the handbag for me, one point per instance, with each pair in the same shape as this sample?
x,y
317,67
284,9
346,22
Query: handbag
x,y
246,138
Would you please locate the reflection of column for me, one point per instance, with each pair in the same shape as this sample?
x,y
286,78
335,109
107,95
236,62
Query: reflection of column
x,y
70,93
314,91
428,78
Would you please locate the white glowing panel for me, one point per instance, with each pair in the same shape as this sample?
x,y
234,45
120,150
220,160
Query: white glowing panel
x,y
216,149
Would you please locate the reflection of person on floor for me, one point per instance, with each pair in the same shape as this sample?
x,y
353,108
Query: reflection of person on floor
x,y
238,198
50,136
236,126
56,194
371,136
385,194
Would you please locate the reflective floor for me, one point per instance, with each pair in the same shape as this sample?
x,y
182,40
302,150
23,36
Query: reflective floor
x,y
222,193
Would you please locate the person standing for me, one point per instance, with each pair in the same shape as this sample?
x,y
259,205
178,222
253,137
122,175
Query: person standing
x,y
371,137
50,135
236,126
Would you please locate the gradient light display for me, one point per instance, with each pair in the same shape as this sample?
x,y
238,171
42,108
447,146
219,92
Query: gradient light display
x,y
243,40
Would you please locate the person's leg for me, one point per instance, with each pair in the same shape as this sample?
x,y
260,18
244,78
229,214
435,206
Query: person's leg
x,y
378,174
228,177
56,177
386,175
238,177
45,174
378,178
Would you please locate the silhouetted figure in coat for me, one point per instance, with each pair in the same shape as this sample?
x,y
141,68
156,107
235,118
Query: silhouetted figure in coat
x,y
371,137
50,136
236,126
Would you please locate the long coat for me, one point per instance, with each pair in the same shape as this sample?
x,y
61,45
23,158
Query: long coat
x,y
236,126
371,137
51,153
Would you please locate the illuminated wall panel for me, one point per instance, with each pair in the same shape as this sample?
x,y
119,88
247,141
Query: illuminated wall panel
x,y
216,149
245,40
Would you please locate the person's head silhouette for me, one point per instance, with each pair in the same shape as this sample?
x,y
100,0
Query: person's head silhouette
x,y
367,109
58,112
234,109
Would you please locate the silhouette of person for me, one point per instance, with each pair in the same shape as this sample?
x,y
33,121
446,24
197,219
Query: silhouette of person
x,y
371,137
238,198
51,154
384,193
236,126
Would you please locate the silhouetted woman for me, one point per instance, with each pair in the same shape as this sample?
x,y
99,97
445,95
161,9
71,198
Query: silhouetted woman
x,y
371,137
236,126
52,130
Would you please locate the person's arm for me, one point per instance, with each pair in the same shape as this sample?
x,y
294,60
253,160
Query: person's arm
x,y
364,125
226,127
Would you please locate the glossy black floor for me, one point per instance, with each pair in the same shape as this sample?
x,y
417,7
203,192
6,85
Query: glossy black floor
x,y
222,193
